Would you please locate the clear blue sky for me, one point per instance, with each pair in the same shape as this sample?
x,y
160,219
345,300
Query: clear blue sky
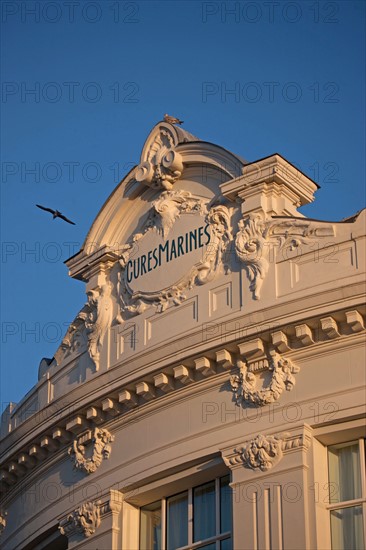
x,y
105,72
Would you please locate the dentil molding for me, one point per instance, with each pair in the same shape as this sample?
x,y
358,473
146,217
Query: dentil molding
x,y
256,359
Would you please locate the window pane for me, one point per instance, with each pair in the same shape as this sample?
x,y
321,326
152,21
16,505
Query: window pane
x,y
208,547
347,528
150,527
177,521
204,511
344,472
226,544
225,505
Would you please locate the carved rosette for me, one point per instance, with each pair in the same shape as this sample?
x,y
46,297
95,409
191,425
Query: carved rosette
x,y
84,520
161,164
244,384
100,449
257,235
164,212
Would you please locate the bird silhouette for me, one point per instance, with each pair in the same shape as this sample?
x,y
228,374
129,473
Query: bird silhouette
x,y
172,119
55,214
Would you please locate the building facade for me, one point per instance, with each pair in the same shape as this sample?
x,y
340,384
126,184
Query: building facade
x,y
211,392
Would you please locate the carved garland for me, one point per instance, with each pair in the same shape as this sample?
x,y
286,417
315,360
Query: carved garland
x,y
165,211
101,449
84,520
257,235
243,385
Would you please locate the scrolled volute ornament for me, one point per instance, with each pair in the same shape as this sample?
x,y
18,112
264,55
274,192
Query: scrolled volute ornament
x,y
257,235
250,248
162,165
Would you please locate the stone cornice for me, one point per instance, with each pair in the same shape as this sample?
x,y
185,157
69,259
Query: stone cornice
x,y
168,382
330,302
272,170
212,338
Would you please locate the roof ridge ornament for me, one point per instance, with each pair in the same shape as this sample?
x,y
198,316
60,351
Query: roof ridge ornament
x,y
160,164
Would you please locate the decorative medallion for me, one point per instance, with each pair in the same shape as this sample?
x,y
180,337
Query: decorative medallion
x,y
84,520
182,234
100,448
244,385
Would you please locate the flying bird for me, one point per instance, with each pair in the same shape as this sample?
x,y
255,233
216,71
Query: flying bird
x,y
55,214
172,119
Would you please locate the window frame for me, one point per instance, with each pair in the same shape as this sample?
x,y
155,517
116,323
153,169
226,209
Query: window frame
x,y
354,502
217,538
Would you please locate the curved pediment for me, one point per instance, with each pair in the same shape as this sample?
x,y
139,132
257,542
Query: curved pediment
x,y
171,158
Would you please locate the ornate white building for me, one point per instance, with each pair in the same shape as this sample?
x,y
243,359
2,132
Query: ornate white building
x,y
210,394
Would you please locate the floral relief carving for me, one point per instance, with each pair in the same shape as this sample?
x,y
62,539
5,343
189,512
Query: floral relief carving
x,y
258,235
84,520
100,449
262,452
162,165
163,214
244,384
